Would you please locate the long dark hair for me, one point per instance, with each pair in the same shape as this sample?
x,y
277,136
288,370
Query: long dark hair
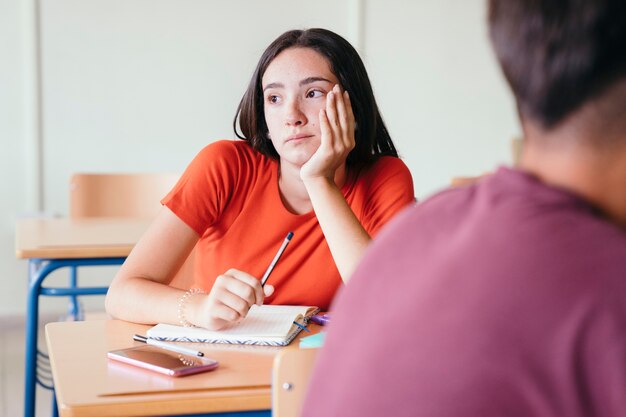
x,y
371,135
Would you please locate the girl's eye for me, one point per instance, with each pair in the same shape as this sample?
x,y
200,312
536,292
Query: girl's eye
x,y
272,99
314,94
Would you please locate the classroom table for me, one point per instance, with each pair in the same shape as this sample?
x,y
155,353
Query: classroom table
x,y
87,383
51,244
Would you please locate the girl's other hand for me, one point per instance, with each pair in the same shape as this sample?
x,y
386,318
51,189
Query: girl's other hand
x,y
337,137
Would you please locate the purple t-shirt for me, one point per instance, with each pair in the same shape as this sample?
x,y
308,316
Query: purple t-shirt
x,y
505,298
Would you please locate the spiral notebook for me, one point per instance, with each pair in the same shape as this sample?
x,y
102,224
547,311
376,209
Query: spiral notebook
x,y
268,325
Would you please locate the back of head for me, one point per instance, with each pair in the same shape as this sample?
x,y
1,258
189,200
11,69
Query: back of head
x,y
559,55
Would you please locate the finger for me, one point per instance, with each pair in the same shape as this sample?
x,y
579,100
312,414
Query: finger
x,y
235,303
223,313
251,281
340,126
325,128
349,135
341,110
221,296
242,290
331,110
268,290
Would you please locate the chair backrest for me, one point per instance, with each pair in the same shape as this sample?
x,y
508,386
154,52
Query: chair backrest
x,y
516,153
463,181
290,379
517,144
118,195
125,195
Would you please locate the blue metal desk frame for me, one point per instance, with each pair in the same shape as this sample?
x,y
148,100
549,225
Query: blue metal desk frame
x,y
38,271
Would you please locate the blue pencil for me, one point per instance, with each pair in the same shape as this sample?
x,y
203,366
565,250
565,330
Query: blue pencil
x,y
276,258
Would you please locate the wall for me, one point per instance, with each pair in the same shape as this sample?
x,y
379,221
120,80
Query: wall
x,y
12,156
142,85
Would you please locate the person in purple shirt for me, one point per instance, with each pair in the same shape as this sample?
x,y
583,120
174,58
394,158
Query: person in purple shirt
x,y
506,297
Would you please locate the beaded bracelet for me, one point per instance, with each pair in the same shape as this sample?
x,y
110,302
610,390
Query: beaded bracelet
x,y
182,303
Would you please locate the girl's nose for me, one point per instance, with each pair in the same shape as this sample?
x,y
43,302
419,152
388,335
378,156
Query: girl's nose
x,y
294,115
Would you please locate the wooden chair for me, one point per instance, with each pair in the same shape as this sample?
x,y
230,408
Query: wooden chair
x,y
516,153
118,195
112,195
290,378
517,143
122,195
463,181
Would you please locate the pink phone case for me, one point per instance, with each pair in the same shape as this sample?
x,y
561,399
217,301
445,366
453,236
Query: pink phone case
x,y
163,361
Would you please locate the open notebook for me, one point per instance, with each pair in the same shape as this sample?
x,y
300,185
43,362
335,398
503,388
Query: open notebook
x,y
264,325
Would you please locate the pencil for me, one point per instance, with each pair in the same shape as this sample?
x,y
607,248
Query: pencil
x,y
276,258
167,346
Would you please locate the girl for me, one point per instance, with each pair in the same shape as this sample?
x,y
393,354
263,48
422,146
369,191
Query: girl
x,y
315,158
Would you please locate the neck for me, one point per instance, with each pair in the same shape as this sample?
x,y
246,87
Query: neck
x,y
293,192
597,173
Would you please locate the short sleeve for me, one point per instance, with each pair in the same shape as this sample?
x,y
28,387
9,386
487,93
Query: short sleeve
x,y
389,189
206,187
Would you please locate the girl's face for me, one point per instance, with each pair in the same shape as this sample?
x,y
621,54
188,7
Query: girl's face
x,y
295,85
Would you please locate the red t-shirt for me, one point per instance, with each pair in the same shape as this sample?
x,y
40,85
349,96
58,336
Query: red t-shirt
x,y
229,195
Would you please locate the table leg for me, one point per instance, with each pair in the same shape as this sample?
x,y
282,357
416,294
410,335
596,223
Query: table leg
x,y
38,271
74,310
32,316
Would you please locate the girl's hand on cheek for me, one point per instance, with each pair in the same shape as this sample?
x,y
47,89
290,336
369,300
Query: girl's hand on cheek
x,y
337,137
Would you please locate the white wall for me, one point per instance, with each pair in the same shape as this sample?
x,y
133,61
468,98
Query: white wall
x,y
12,157
439,87
142,85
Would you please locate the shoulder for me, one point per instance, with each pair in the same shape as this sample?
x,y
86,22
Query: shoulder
x,y
229,155
388,164
386,169
379,192
230,149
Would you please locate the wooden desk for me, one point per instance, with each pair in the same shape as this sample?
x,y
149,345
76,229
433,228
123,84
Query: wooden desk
x,y
87,383
50,244
77,238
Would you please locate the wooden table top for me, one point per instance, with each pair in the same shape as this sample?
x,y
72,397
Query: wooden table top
x,y
87,383
60,238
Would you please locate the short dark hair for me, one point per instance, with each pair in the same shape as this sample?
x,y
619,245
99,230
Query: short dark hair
x,y
371,135
558,54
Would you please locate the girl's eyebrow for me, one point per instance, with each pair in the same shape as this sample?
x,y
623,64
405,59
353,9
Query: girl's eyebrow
x,y
308,80
311,80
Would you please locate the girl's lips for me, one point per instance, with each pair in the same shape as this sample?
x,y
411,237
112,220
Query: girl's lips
x,y
298,137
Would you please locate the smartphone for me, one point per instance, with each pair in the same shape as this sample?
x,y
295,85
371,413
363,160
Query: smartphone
x,y
163,361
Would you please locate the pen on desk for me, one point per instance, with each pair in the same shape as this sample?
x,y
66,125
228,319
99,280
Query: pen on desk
x,y
167,346
276,258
